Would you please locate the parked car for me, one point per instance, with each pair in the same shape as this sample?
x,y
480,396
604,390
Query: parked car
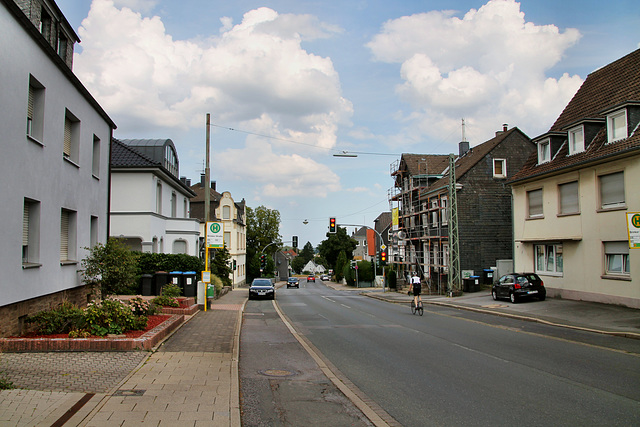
x,y
262,288
516,286
293,282
325,278
311,278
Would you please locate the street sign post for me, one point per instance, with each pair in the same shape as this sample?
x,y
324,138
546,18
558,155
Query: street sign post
x,y
215,235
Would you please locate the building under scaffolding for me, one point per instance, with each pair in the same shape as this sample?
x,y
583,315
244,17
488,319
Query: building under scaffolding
x,y
421,196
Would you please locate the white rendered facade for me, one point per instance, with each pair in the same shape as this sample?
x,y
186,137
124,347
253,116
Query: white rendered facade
x,y
54,196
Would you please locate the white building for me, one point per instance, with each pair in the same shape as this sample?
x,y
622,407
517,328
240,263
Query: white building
x,y
222,208
54,167
149,202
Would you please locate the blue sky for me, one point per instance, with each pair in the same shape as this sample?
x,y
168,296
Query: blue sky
x,y
289,83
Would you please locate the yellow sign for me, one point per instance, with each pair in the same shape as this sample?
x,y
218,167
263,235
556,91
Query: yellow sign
x,y
394,219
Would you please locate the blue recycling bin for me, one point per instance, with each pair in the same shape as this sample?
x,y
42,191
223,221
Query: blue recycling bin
x,y
176,278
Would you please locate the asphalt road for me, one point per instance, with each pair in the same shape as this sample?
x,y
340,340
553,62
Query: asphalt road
x,y
452,367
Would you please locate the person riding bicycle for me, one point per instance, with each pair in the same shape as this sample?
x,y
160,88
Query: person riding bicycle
x,y
416,286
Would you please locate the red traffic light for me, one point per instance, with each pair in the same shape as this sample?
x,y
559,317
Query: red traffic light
x,y
383,257
332,225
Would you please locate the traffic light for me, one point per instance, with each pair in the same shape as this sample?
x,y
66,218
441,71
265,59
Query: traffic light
x,y
295,242
383,258
332,225
263,261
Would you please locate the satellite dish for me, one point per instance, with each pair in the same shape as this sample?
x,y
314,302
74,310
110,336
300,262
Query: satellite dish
x,y
402,235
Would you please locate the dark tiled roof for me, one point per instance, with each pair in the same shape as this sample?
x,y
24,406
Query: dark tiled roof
x,y
415,163
612,85
200,192
474,155
124,156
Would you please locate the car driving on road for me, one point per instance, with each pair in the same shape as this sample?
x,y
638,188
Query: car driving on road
x,y
516,286
311,278
293,282
262,288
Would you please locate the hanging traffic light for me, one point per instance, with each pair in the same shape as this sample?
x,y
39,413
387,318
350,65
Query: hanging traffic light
x,y
295,242
332,225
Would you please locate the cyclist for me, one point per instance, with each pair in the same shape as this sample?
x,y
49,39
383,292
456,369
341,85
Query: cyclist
x,y
416,286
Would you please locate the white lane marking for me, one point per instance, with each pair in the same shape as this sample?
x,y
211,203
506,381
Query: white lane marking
x,y
346,306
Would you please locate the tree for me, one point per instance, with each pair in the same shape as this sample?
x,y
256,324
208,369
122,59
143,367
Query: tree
x,y
307,253
220,264
297,264
111,267
336,243
339,266
263,227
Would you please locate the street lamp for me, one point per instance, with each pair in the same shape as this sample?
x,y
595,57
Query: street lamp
x,y
344,154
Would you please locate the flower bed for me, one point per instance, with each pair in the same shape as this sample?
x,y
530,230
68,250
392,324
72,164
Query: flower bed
x,y
156,331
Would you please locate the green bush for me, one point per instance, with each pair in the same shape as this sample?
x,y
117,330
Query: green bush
x,y
165,301
111,268
60,320
5,384
149,263
171,290
391,278
111,316
140,307
217,283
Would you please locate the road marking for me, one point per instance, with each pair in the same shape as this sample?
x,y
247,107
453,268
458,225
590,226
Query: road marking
x,y
346,306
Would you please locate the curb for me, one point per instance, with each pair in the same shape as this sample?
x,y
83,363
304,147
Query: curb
x,y
632,335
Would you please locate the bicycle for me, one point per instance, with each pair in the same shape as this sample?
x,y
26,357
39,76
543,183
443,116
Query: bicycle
x,y
418,309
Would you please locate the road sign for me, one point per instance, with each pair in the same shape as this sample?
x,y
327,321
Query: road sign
x,y
633,228
215,235
383,247
206,276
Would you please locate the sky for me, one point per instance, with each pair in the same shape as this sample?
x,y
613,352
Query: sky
x,y
290,83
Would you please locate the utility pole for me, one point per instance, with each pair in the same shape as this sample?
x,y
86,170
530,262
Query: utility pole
x,y
454,247
207,193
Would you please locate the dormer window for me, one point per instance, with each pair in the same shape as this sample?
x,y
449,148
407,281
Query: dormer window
x,y
499,168
617,126
544,151
576,140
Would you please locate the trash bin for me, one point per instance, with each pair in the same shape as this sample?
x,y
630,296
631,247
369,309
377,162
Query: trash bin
x,y
487,276
211,290
146,284
161,278
474,285
189,278
175,278
467,284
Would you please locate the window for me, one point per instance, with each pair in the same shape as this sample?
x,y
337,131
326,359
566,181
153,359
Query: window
x,y
226,212
67,236
568,194
95,167
179,247
434,213
616,258
499,168
159,198
534,200
549,259
617,126
576,140
35,110
45,24
544,151
612,190
173,205
93,237
30,232
227,240
62,47
445,210
71,145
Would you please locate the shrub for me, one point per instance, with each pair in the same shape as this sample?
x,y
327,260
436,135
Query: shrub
x,y
111,316
139,306
165,301
5,384
112,268
217,283
171,290
60,320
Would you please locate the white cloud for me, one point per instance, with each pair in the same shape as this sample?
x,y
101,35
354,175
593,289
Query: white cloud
x,y
254,75
488,66
139,5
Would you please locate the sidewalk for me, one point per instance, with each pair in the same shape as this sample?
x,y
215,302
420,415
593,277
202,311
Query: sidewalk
x,y
190,380
582,315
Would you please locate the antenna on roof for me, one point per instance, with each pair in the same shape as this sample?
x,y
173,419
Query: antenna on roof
x,y
464,137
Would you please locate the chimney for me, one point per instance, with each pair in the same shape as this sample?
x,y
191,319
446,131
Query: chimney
x,y
213,185
183,179
188,182
463,147
504,127
201,180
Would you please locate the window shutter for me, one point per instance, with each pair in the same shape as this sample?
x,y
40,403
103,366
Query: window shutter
x,y
612,189
25,225
569,197
616,248
535,202
67,137
30,104
64,236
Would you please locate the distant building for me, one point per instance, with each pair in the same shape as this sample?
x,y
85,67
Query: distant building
x,y
421,197
149,202
223,208
573,197
360,253
54,166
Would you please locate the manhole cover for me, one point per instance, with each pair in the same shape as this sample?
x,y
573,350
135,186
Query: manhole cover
x,y
129,393
277,373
